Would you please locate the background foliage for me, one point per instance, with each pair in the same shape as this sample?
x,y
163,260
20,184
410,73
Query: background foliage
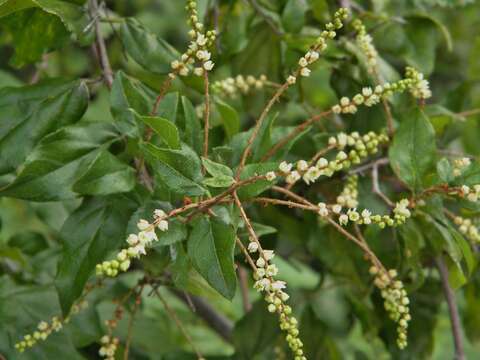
x,y
70,193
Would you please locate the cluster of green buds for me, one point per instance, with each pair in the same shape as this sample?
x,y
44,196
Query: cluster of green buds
x,y
467,228
360,148
320,45
198,49
400,215
459,165
396,301
365,43
419,86
109,347
349,195
275,296
138,243
232,86
44,328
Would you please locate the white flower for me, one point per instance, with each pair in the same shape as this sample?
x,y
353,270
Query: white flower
x,y
343,219
208,65
163,225
342,140
285,167
293,177
262,284
303,62
268,254
322,162
278,285
337,209
203,55
271,176
367,91
323,212
201,39
143,224
312,56
305,72
261,262
132,239
342,156
312,174
147,237
198,71
291,80
272,270
252,247
337,109
302,165
183,71
465,189
159,213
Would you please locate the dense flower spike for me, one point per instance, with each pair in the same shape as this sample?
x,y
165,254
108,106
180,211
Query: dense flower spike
x,y
198,49
44,329
138,244
400,214
349,194
365,43
232,87
359,147
468,228
396,301
319,46
419,87
414,82
275,296
109,347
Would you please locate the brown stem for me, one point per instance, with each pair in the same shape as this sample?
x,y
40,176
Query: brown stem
x,y
294,133
452,309
175,318
291,194
291,204
256,129
101,48
138,300
247,255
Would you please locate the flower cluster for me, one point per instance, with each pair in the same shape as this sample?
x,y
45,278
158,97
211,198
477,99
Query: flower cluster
x,y
400,214
459,165
320,45
466,227
395,301
275,296
109,347
361,147
470,193
364,42
198,47
44,328
349,195
413,82
419,87
231,87
137,245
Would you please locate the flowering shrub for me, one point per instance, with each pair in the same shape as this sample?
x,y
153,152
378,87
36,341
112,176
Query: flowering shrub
x,y
284,182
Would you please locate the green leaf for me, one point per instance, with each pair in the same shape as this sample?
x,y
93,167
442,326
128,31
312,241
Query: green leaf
x,y
215,169
413,152
229,116
91,232
255,332
210,247
167,130
193,134
220,181
293,17
70,155
151,52
256,188
179,169
31,112
445,170
106,175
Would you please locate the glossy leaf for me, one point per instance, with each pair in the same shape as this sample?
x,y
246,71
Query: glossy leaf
x,y
210,247
167,130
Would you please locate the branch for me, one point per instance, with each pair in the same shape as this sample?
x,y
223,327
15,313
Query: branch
x,y
220,324
452,309
100,45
